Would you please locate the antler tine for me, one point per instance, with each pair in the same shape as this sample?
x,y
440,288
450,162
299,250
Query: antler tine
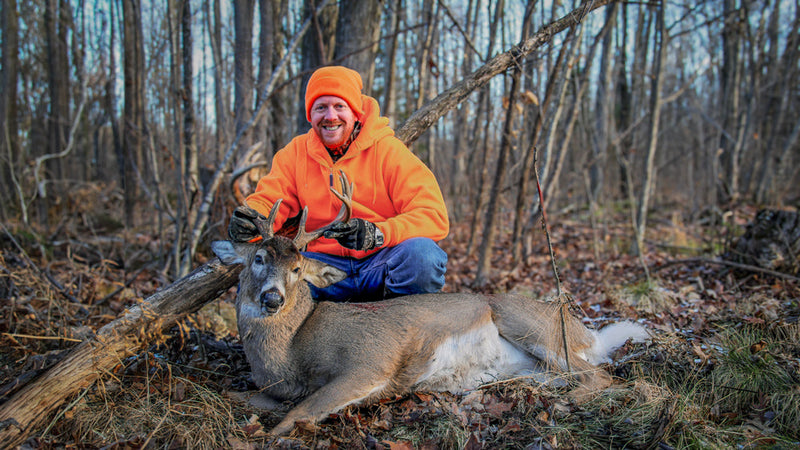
x,y
304,237
265,224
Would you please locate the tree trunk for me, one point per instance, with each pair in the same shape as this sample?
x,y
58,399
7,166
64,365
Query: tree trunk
x,y
133,111
484,111
520,217
730,79
182,202
623,115
273,130
490,222
357,32
649,175
243,72
582,83
389,97
55,16
9,125
318,46
222,103
778,81
602,109
110,98
459,186
191,175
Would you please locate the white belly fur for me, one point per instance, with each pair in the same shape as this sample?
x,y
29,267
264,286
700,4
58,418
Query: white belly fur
x,y
469,360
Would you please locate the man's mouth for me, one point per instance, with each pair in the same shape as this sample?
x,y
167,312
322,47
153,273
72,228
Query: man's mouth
x,y
331,126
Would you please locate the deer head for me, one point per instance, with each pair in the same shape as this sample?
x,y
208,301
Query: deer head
x,y
274,265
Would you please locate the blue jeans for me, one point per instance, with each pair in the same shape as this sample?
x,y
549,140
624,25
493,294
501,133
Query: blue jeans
x,y
415,266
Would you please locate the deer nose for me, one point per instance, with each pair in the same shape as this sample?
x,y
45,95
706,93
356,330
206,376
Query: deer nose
x,y
271,301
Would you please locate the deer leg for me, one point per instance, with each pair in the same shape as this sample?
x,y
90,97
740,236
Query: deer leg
x,y
332,397
536,327
263,401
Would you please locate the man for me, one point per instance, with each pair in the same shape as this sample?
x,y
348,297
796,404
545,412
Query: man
x,y
389,247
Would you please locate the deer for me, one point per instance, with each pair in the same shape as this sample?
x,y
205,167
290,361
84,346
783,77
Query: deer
x,y
324,356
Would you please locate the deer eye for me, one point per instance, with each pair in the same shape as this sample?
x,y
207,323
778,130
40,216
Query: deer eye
x,y
296,270
258,260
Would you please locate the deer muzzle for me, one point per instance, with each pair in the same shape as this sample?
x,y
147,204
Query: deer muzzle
x,y
271,301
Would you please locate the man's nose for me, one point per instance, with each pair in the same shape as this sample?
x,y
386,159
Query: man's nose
x,y
330,113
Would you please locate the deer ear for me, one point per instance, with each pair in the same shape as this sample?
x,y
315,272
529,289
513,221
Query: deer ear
x,y
322,275
226,252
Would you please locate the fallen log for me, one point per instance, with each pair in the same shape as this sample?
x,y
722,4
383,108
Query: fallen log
x,y
88,361
125,336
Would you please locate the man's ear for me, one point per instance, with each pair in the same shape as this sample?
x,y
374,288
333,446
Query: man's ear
x,y
320,274
226,252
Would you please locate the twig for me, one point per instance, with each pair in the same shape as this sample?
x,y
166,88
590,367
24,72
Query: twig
x,y
40,183
64,411
49,278
29,336
544,223
723,262
121,288
552,261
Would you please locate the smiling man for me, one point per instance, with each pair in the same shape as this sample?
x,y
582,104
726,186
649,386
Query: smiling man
x,y
389,247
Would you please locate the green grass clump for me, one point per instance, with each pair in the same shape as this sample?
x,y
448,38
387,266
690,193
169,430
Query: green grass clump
x,y
757,376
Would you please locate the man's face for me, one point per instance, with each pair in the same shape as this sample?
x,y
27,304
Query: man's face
x,y
332,119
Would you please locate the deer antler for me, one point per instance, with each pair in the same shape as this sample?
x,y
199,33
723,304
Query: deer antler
x,y
265,224
303,237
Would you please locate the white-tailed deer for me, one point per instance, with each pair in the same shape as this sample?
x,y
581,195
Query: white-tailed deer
x,y
326,356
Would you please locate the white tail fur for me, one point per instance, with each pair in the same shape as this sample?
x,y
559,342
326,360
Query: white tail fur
x,y
612,337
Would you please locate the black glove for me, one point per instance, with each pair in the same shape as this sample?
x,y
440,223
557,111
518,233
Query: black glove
x,y
357,234
242,227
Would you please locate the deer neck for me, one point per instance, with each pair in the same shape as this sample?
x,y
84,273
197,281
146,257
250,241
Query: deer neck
x,y
269,341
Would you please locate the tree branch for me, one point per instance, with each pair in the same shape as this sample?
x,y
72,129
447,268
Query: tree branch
x,y
430,112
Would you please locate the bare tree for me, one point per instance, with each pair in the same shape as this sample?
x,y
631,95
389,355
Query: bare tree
x,y
357,32
490,221
729,94
133,111
602,108
520,216
222,103
317,49
9,66
389,96
190,188
56,14
459,186
649,175
243,80
483,114
274,131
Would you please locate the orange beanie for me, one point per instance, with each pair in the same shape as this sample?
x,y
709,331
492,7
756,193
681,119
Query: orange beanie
x,y
335,80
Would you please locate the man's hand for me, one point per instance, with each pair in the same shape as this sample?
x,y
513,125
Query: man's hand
x,y
242,227
357,234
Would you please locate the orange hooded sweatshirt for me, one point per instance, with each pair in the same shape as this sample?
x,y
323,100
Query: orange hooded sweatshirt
x,y
393,188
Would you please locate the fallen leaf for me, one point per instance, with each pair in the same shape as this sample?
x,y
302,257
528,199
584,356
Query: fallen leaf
x,y
402,445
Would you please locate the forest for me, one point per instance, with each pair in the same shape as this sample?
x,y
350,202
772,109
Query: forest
x,y
633,159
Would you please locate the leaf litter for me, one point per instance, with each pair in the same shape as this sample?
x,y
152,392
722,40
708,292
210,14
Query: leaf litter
x,y
722,369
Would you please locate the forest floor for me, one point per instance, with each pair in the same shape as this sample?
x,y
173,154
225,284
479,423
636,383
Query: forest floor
x,y
722,369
